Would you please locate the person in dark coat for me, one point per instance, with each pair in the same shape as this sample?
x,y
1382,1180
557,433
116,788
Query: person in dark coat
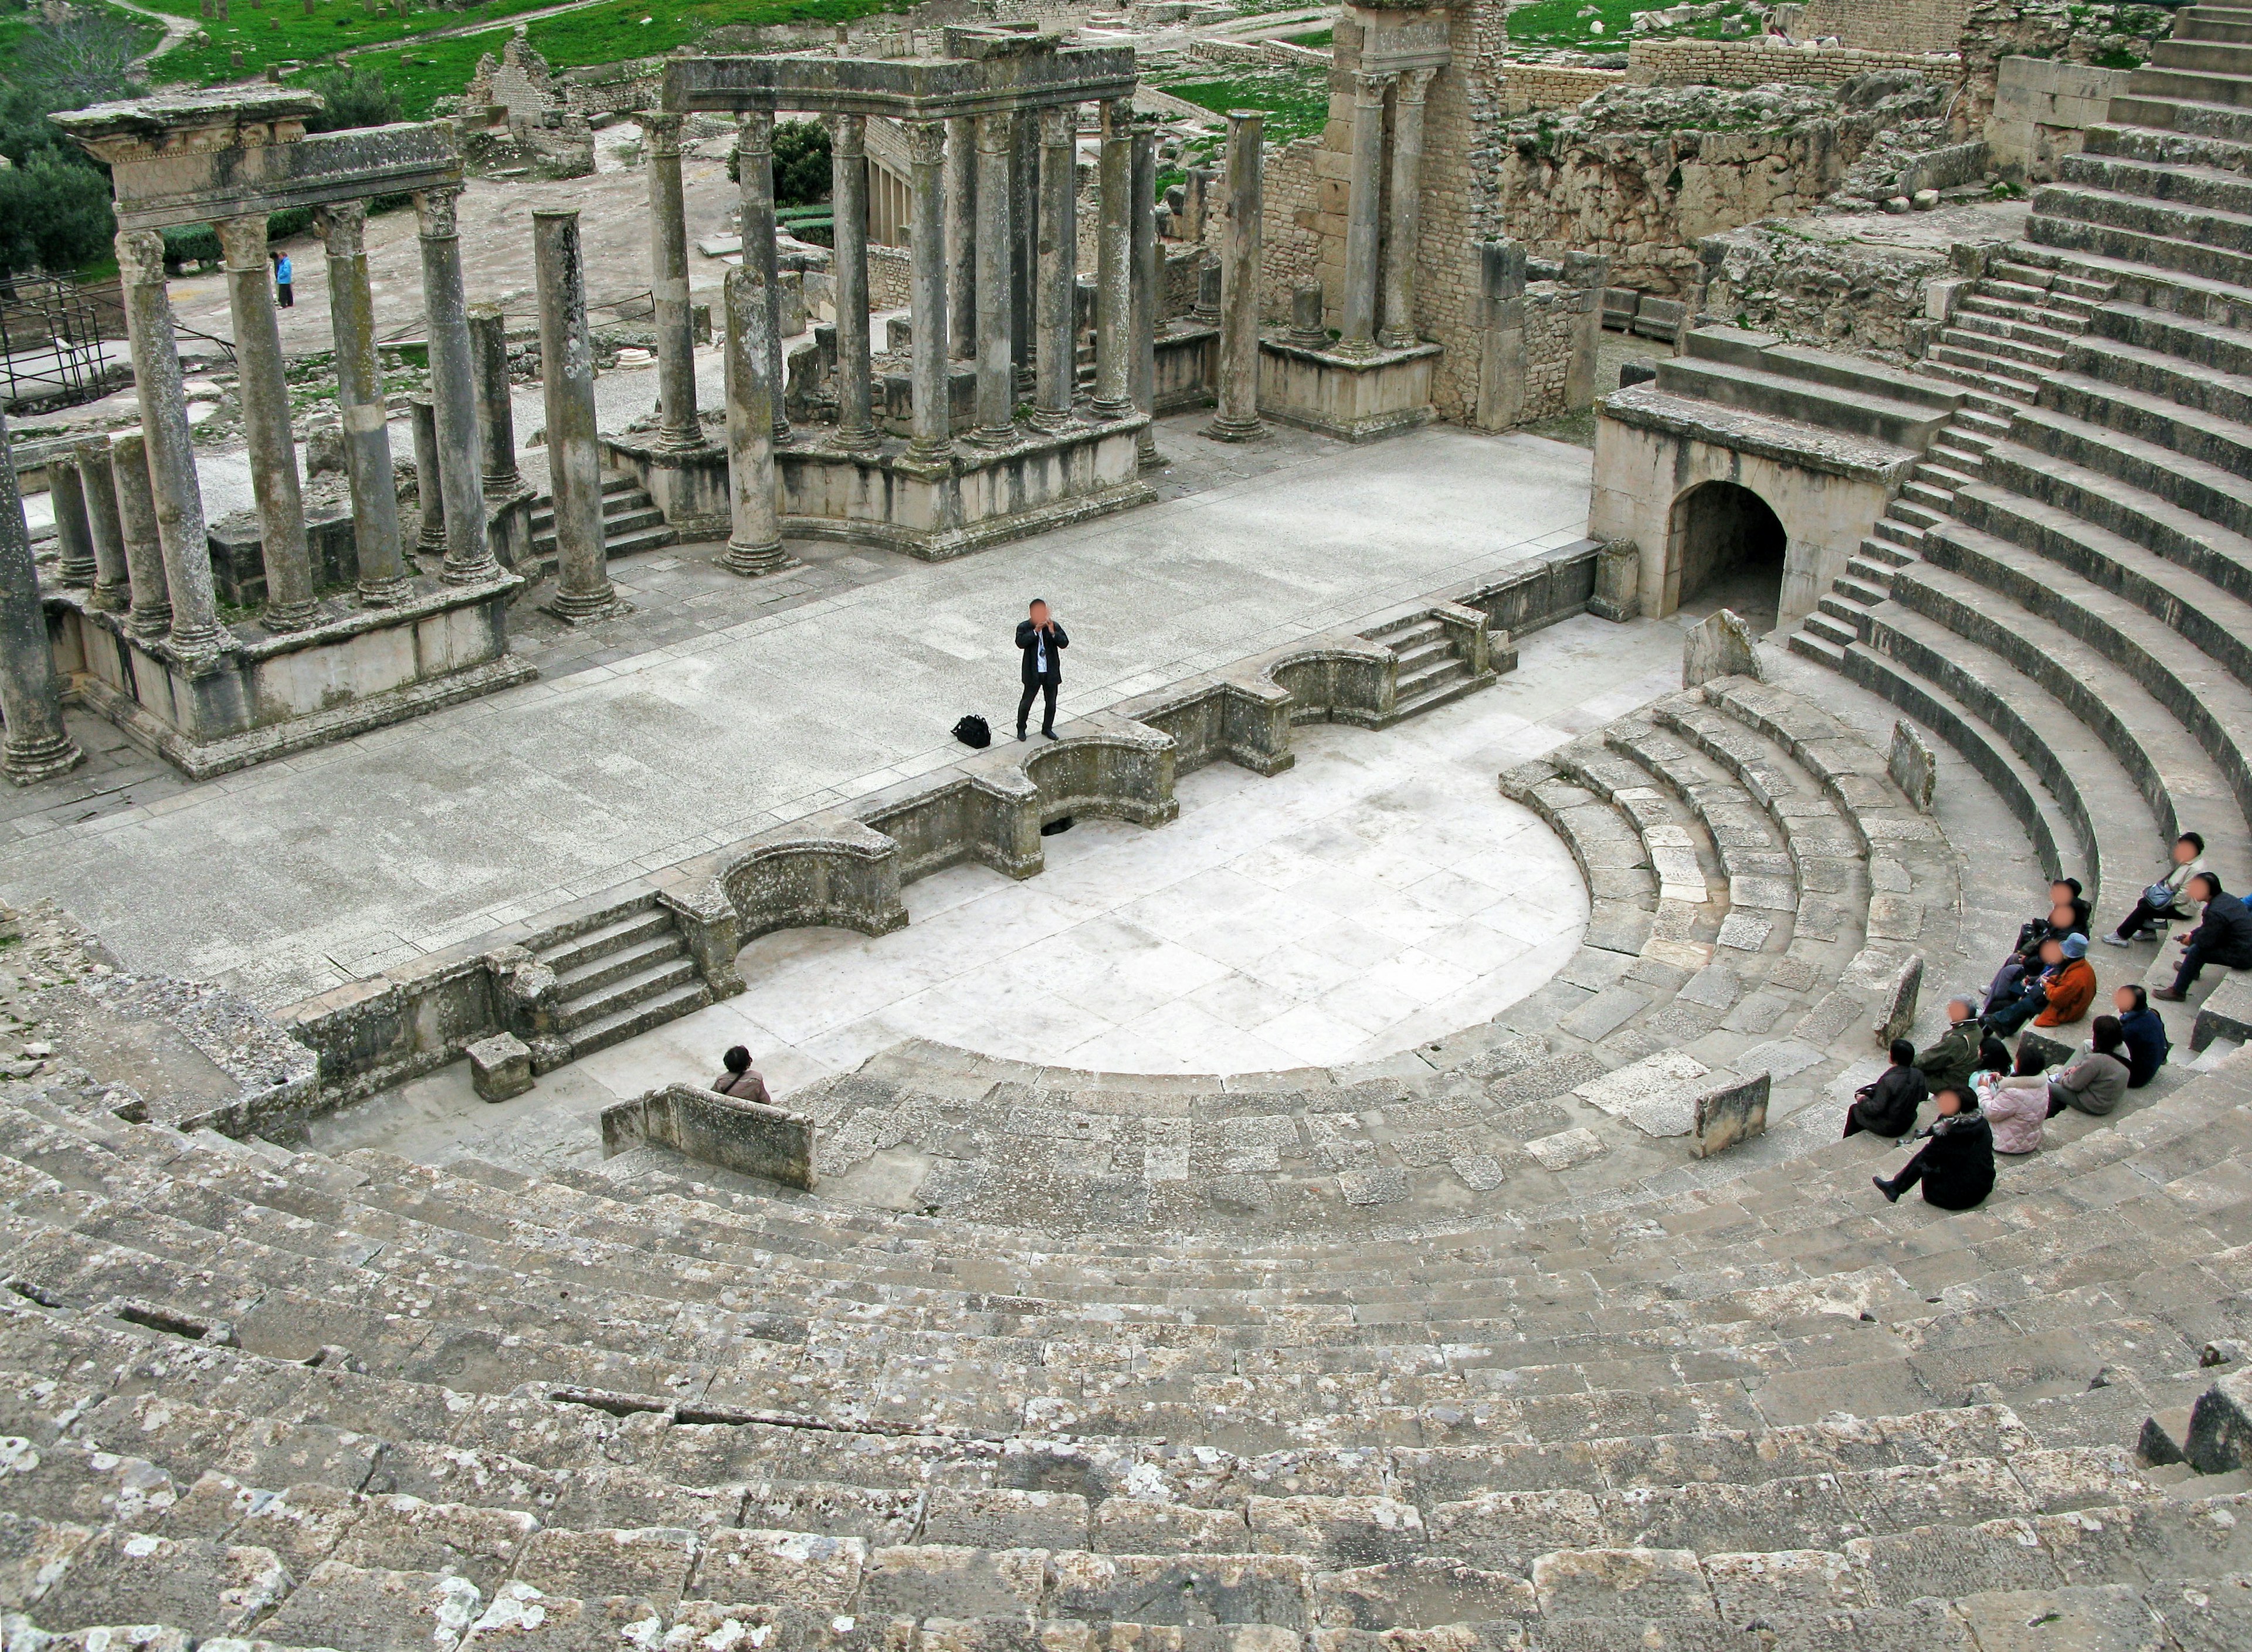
x,y
1888,1107
1041,641
1956,1056
2147,1043
2063,922
1955,1162
2223,936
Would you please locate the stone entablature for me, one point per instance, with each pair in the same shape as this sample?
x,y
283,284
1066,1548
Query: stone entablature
x,y
1768,61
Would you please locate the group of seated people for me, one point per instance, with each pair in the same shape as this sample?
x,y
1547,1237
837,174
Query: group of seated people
x,y
1988,1102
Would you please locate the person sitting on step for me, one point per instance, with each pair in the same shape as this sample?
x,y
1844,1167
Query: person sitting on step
x,y
2025,960
1951,1059
2147,1045
2164,899
741,1079
2055,997
1955,1162
1888,1107
2016,1100
2222,936
2092,1084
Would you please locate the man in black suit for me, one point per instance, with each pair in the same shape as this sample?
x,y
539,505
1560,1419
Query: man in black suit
x,y
1041,641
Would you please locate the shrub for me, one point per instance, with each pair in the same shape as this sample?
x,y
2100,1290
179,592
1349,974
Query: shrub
x,y
356,97
801,163
54,215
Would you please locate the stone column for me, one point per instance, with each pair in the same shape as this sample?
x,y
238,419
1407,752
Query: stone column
x,y
265,390
74,533
755,175
754,546
359,401
112,584
856,424
1023,246
429,487
997,374
1365,185
453,389
1587,274
37,747
566,369
1057,355
1114,263
1404,232
1237,416
962,237
1501,334
1142,311
668,263
496,415
150,614
171,453
933,424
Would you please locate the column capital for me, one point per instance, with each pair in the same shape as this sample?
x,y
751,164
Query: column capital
x,y
437,212
926,142
1415,83
848,135
755,132
996,130
1368,89
343,228
1059,125
1117,117
242,242
140,257
662,128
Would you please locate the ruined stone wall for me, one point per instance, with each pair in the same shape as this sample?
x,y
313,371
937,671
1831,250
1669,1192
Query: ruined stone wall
x,y
1551,324
887,277
1794,281
2112,37
1290,233
1769,62
1887,25
1520,87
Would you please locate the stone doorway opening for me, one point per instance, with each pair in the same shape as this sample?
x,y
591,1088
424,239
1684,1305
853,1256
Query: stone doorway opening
x,y
1730,546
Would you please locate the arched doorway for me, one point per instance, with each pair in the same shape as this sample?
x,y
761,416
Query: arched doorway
x,y
1728,546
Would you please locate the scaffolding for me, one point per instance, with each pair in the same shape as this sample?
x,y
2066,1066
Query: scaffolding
x,y
58,341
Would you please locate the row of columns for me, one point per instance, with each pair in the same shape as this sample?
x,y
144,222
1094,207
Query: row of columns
x,y
1373,318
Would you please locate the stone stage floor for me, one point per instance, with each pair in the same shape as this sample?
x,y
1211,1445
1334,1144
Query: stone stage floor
x,y
1381,893
712,715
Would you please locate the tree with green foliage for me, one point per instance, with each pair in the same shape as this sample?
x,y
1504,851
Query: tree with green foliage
x,y
54,201
801,163
354,97
54,215
80,56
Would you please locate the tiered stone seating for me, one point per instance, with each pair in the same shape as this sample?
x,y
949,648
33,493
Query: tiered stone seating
x,y
2071,611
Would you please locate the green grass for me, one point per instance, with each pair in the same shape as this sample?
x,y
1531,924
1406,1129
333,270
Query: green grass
x,y
1558,23
1315,41
283,31
1296,101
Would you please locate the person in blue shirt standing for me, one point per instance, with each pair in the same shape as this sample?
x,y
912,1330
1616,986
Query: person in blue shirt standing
x,y
284,294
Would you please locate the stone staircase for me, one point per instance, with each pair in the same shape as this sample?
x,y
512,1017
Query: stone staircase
x,y
1432,669
631,522
2069,611
619,980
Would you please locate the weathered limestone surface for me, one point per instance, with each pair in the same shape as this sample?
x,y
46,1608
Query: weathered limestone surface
x,y
583,590
1720,645
37,747
711,1128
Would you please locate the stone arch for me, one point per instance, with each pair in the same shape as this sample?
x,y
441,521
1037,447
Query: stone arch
x,y
1723,540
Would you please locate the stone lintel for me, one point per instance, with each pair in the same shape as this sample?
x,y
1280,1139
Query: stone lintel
x,y
231,117
159,187
903,88
1785,441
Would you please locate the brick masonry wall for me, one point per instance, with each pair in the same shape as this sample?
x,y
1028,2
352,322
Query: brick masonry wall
x,y
1521,88
1758,63
1887,25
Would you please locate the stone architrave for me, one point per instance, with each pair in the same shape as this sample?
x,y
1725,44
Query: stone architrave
x,y
263,381
495,413
848,150
112,584
452,388
1720,645
1364,188
997,373
360,406
1113,267
1912,765
754,176
754,543
1147,269
931,417
678,428
150,613
429,488
583,591
1237,416
38,746
170,449
73,534
962,237
1404,234
1057,356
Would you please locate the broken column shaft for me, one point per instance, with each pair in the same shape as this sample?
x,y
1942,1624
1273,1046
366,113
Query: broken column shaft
x,y
263,381
754,546
360,406
112,585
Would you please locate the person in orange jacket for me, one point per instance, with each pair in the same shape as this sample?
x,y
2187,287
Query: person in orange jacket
x,y
2071,986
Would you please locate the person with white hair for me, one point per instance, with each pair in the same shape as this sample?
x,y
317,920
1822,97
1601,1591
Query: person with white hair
x,y
1954,1056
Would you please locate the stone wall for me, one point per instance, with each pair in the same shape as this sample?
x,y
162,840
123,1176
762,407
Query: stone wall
x,y
1791,281
1551,325
1768,61
2041,112
1521,88
1887,25
2062,31
887,277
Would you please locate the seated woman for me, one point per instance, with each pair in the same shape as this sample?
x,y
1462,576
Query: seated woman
x,y
2016,1103
2168,900
2147,1046
1888,1107
1955,1162
2095,1083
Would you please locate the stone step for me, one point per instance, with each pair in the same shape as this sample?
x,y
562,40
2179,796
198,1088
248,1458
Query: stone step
x,y
648,537
2189,187
2203,56
2175,223
1777,395
1991,317
2195,85
2202,344
1972,353
2012,346
582,984
601,1031
2206,142
1989,392
1931,496
660,977
2166,259
1894,541
2058,286
619,935
2202,443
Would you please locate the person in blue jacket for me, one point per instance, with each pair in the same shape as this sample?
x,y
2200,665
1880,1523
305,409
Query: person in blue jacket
x,y
284,292
2147,1047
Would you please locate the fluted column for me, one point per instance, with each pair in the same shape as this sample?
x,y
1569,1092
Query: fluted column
x,y
264,385
172,454
1057,357
38,746
678,427
848,154
754,543
961,238
74,533
1237,416
149,613
566,370
495,413
1114,263
932,423
452,388
1363,189
1142,312
113,586
996,375
754,179
360,401
1405,229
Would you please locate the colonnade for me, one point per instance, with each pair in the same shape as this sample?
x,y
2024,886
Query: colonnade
x,y
1378,310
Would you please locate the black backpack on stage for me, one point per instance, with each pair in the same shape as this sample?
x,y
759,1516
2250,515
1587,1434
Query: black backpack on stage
x,y
972,731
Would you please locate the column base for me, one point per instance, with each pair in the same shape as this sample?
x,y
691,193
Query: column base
x,y
782,429
1107,411
991,441
1145,448
675,441
497,488
1393,338
471,574
287,616
752,561
1226,429
112,599
585,608
384,594
867,440
150,624
431,545
1054,420
31,761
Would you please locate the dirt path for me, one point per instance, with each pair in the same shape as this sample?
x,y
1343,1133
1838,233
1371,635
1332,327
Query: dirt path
x,y
176,29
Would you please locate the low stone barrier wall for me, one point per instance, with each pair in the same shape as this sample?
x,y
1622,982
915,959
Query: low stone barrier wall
x,y
756,1138
1522,88
1273,54
1767,61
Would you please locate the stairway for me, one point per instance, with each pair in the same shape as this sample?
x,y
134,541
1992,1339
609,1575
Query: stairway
x,y
622,979
1432,670
631,522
